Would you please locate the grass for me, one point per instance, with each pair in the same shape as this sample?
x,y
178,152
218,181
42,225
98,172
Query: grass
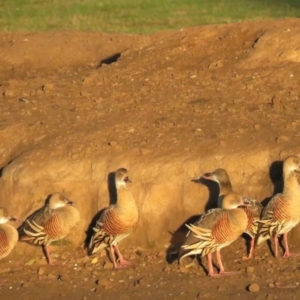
x,y
135,16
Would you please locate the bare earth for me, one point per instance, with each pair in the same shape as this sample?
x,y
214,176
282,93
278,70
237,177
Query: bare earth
x,y
169,107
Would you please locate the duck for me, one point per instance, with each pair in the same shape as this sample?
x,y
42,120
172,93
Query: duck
x,y
8,234
216,229
52,222
116,222
282,213
253,211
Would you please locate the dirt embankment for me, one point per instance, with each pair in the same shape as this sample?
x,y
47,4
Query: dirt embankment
x,y
169,107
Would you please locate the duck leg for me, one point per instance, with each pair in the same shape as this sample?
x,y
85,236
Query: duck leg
x,y
287,252
222,269
121,260
210,266
46,251
112,256
251,250
276,246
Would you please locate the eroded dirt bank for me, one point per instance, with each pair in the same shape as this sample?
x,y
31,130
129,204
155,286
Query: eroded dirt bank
x,y
169,108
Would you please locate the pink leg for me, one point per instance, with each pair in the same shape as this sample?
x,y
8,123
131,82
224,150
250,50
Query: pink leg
x,y
121,260
113,258
251,251
287,252
276,246
222,269
210,265
48,256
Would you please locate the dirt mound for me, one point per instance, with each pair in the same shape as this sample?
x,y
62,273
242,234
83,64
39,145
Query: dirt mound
x,y
169,107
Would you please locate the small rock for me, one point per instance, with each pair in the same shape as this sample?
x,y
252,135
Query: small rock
x,y
253,288
167,269
47,87
113,144
250,270
41,271
271,284
222,143
282,138
145,151
8,93
256,126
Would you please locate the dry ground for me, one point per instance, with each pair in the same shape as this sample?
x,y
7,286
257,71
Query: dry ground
x,y
171,106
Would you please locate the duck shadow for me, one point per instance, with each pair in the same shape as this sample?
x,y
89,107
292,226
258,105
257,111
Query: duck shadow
x,y
112,200
276,176
178,237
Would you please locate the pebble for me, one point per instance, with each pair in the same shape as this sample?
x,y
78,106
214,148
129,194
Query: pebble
x,y
250,269
144,151
41,271
253,288
282,138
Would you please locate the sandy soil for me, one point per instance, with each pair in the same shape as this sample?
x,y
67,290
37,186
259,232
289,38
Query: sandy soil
x,y
169,107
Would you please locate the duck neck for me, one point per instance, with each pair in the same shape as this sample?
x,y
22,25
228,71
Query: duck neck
x,y
225,188
291,185
125,199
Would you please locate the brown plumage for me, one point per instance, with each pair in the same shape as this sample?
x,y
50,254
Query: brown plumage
x,y
216,229
50,223
253,211
283,211
116,222
8,233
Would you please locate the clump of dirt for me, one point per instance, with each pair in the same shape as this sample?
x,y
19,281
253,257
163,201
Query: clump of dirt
x,y
169,107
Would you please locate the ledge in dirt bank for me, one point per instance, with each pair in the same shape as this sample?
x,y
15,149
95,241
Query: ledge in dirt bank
x,y
171,107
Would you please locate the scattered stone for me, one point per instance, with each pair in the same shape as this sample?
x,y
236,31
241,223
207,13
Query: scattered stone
x,y
41,271
113,144
250,270
8,93
47,87
282,138
271,285
253,288
167,269
145,151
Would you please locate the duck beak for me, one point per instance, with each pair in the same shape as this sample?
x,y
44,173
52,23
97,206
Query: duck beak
x,y
13,219
207,176
126,179
69,202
